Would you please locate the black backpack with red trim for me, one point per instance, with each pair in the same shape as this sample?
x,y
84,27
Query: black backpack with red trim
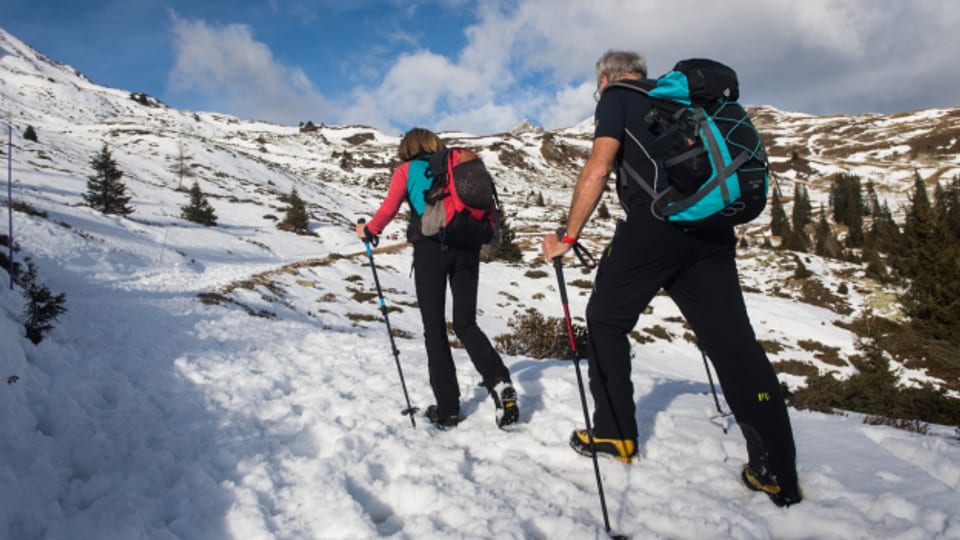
x,y
461,205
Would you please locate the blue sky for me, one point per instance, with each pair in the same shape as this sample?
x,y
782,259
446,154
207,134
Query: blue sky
x,y
484,66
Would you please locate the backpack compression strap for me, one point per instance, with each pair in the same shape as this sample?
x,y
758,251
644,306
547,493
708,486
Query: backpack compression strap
x,y
712,143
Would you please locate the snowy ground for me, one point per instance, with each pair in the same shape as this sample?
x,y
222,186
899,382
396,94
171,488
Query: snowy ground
x,y
148,414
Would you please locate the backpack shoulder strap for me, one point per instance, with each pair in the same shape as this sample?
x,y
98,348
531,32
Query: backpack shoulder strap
x,y
639,85
439,167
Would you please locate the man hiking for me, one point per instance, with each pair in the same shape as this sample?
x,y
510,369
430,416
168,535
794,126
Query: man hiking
x,y
697,268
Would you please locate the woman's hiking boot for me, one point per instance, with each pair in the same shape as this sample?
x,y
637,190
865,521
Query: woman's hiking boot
x,y
619,449
759,478
505,399
441,422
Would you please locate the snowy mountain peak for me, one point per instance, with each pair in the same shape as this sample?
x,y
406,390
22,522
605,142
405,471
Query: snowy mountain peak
x,y
525,127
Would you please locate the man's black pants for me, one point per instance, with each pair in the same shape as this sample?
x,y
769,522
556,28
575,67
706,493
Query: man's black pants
x,y
699,272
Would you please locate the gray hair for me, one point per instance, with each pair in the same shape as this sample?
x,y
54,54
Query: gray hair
x,y
614,64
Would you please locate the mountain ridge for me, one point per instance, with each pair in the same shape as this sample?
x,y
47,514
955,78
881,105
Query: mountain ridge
x,y
247,168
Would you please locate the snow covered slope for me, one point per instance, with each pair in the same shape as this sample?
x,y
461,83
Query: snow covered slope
x,y
236,382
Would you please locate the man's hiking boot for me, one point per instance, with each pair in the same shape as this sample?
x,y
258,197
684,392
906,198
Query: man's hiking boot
x,y
760,479
619,449
441,422
505,400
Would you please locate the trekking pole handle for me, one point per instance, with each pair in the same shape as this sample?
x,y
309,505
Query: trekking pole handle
x,y
368,236
558,266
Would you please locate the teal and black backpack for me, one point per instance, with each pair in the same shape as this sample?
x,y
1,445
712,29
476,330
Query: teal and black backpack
x,y
715,164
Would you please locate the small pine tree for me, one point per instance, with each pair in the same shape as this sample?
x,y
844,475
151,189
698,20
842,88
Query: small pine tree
x,y
105,191
920,226
801,271
30,134
507,249
602,211
825,243
948,206
43,307
796,240
872,203
297,219
779,226
802,212
199,209
874,265
884,233
953,207
181,166
846,202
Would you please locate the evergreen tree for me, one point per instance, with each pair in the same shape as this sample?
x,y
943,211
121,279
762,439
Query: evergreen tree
x,y
796,240
779,226
825,243
883,236
507,249
181,166
43,307
105,191
199,209
930,260
602,211
297,219
884,233
846,202
30,134
920,230
872,204
875,266
948,206
802,212
873,209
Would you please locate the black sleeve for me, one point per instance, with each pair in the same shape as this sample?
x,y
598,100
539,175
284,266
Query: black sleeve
x,y
611,115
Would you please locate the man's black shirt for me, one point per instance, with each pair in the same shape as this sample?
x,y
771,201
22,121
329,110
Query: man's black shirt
x,y
621,109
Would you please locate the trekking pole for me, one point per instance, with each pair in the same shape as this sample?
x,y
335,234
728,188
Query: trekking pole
x,y
713,389
410,410
558,266
10,194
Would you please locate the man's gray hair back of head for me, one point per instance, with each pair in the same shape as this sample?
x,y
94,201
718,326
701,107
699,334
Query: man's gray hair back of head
x,y
615,63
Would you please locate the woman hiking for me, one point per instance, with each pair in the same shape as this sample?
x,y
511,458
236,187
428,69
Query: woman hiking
x,y
435,263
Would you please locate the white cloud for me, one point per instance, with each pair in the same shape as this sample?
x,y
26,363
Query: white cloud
x,y
484,119
418,90
228,63
569,106
534,59
819,56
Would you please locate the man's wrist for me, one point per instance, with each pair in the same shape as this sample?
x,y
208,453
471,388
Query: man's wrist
x,y
566,238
